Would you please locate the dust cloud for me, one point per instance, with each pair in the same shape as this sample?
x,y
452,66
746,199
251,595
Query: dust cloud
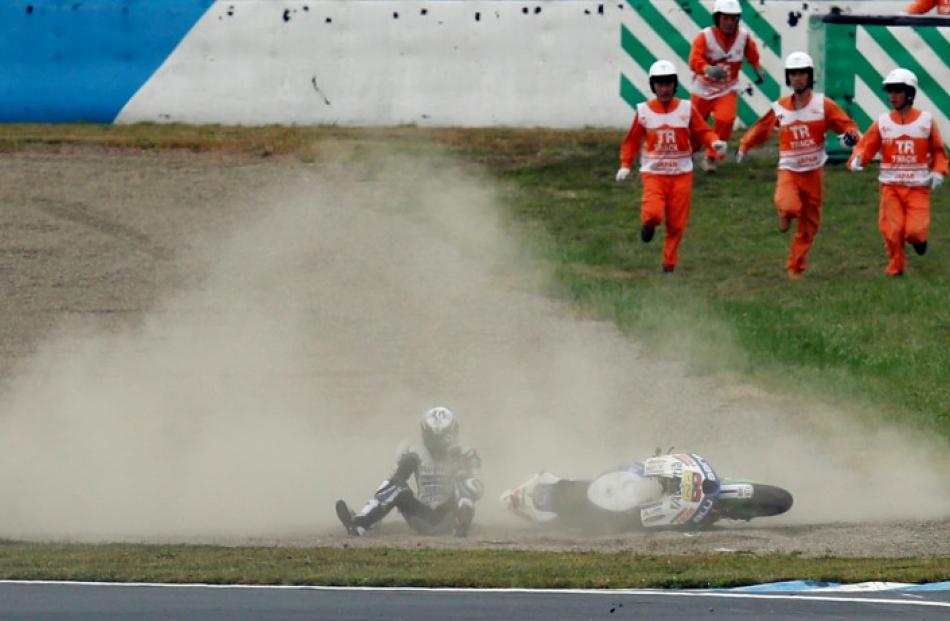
x,y
317,326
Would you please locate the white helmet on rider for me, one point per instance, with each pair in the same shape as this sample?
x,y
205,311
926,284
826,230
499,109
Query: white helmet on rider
x,y
905,78
440,430
797,61
661,71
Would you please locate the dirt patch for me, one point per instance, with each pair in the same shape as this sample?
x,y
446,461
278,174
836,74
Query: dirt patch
x,y
214,348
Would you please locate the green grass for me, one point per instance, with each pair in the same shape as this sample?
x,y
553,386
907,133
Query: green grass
x,y
845,334
438,568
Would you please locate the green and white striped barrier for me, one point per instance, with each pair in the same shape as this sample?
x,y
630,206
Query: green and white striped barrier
x,y
857,52
852,59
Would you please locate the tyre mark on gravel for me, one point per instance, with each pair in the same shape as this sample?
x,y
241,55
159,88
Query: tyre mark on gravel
x,y
83,215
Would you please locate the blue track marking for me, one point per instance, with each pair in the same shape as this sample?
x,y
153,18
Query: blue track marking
x,y
82,60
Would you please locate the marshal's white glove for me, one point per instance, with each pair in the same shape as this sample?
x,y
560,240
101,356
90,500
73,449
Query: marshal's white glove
x,y
849,139
740,155
715,72
855,165
623,173
936,180
720,146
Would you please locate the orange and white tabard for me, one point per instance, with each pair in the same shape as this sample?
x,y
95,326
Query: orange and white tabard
x,y
905,150
667,149
707,88
801,135
919,7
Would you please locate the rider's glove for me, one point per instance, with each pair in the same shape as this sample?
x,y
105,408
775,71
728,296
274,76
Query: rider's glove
x,y
849,139
715,72
936,180
740,155
623,173
855,164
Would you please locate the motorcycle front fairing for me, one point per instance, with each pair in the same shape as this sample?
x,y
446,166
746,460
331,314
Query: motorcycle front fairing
x,y
677,490
691,489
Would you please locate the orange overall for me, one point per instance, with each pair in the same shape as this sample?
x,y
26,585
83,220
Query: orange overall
x,y
665,134
719,97
911,148
919,7
798,191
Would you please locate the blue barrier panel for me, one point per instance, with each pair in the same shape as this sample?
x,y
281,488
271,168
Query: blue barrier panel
x,y
82,60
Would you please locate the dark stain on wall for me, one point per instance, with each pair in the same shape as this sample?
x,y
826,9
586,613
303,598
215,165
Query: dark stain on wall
x,y
286,15
793,17
29,9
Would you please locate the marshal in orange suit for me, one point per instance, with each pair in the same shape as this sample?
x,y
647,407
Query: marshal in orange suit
x,y
913,164
662,134
802,118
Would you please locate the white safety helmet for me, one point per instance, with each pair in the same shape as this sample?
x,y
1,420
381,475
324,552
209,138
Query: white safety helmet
x,y
799,60
662,69
901,76
796,61
440,429
905,78
726,7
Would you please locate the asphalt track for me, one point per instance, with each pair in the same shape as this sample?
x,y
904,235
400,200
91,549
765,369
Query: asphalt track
x,y
79,601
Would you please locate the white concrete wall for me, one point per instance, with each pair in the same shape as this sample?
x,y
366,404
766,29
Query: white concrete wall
x,y
552,63
557,67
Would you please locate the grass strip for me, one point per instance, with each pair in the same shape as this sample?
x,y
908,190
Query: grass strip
x,y
439,568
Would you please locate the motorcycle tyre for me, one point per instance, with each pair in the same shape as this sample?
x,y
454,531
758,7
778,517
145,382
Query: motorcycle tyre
x,y
766,501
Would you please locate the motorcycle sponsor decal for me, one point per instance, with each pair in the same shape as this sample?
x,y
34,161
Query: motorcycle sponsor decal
x,y
707,469
682,517
661,467
703,510
736,490
652,513
691,486
697,486
686,460
674,502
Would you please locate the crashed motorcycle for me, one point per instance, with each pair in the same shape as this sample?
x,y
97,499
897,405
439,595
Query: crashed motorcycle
x,y
676,490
